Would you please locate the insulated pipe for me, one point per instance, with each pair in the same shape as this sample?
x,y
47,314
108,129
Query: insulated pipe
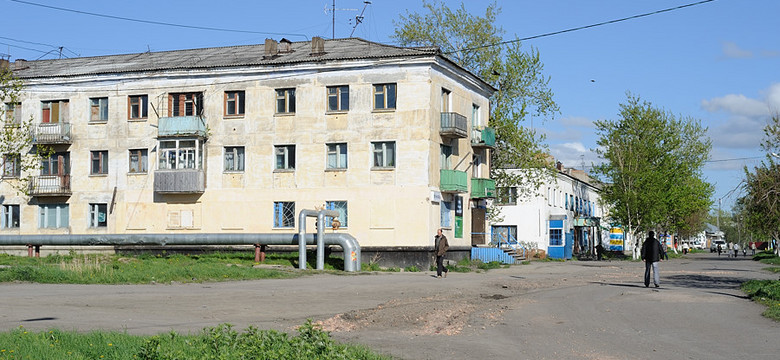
x,y
321,235
301,235
347,242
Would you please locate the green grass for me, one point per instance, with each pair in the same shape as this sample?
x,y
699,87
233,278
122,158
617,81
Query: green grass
x,y
766,292
144,269
220,342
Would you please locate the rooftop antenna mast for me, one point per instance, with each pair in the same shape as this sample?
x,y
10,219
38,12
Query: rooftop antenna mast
x,y
333,10
359,18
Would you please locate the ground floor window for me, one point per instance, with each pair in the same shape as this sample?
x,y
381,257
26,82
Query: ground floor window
x,y
503,234
446,214
284,214
556,232
10,216
52,216
98,215
341,207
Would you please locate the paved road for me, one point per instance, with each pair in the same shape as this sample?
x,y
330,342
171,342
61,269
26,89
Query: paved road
x,y
547,310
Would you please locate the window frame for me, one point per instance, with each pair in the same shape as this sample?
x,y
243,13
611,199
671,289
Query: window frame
x,y
238,154
101,105
446,157
179,152
15,111
446,208
15,160
342,207
63,113
387,162
288,158
506,197
141,102
13,216
61,216
50,166
143,161
337,155
339,93
95,209
287,104
99,158
383,91
238,103
284,214
184,101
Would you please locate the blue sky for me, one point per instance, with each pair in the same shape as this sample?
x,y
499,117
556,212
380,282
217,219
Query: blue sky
x,y
718,62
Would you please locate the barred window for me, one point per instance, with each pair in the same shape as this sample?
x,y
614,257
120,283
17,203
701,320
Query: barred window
x,y
284,214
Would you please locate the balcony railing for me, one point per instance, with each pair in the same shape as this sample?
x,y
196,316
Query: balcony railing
x,y
483,188
454,125
181,126
52,133
50,185
180,181
485,137
454,181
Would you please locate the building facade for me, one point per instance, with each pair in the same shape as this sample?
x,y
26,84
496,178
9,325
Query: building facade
x,y
240,139
563,218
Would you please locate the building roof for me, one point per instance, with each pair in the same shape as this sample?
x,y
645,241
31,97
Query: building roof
x,y
230,56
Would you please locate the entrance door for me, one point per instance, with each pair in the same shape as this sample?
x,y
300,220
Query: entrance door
x,y
478,226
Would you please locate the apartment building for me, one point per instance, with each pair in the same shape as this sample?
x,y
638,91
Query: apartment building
x,y
240,139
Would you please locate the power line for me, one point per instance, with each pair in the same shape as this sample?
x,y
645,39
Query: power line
x,y
735,159
580,27
155,22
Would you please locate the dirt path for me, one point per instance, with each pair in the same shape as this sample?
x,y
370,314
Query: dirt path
x,y
572,310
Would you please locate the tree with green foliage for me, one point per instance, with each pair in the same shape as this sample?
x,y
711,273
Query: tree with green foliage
x,y
652,170
761,202
478,45
17,153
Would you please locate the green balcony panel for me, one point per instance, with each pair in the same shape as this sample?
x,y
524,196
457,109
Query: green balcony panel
x,y
484,137
182,126
454,181
483,188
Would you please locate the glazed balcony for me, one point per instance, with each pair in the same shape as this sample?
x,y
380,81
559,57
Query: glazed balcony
x,y
174,126
180,181
454,125
51,133
485,137
483,188
49,185
454,181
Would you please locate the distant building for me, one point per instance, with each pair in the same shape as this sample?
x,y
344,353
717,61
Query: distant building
x,y
240,139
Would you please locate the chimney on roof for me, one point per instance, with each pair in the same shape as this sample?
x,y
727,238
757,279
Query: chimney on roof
x,y
559,166
271,47
285,46
317,46
20,64
3,64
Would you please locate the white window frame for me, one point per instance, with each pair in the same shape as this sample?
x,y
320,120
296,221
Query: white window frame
x,y
234,159
11,216
285,154
380,157
180,156
341,207
58,214
94,215
337,156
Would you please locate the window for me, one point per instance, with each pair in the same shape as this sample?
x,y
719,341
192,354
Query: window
x,y
338,98
99,161
56,164
285,157
475,123
556,232
445,100
384,154
566,197
285,101
54,111
234,158
53,216
12,165
12,114
503,234
284,214
185,104
446,154
98,215
337,156
180,154
137,107
507,195
446,211
10,217
139,161
341,207
571,202
234,103
98,109
384,97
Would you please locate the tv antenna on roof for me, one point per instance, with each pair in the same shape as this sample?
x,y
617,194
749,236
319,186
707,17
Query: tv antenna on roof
x,y
359,18
333,10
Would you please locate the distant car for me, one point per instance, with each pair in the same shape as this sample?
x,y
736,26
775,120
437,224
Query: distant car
x,y
698,244
715,243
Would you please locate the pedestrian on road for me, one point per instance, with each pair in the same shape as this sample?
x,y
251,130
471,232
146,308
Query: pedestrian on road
x,y
753,248
719,249
686,248
441,248
736,250
651,255
665,249
599,251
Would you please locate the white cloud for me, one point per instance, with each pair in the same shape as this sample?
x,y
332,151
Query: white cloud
x,y
737,105
732,50
578,121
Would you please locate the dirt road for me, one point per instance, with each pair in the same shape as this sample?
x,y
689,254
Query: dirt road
x,y
547,310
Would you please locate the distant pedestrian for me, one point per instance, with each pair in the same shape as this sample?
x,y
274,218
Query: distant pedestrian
x,y
720,249
736,250
651,255
753,248
441,248
599,251
665,248
744,251
686,248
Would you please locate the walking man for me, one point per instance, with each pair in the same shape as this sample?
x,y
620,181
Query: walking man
x,y
651,255
441,248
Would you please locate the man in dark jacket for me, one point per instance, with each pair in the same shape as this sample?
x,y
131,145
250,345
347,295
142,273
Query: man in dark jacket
x,y
441,248
651,255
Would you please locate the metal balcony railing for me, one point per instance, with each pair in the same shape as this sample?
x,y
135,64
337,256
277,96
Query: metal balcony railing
x,y
454,125
52,133
50,185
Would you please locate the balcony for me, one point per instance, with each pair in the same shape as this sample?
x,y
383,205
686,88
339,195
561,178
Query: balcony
x,y
49,185
485,137
51,133
454,181
181,126
180,181
454,125
483,188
